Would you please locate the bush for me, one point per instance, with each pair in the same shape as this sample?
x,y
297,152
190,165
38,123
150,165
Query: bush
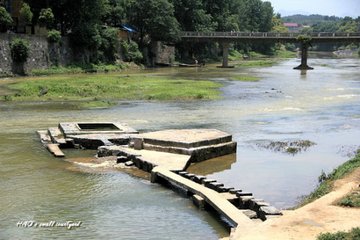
x,y
19,50
131,52
5,19
46,17
109,44
26,14
354,234
54,36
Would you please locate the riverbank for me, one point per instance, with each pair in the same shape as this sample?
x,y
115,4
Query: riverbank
x,y
325,214
105,89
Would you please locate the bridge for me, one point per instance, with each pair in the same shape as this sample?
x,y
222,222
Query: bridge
x,y
225,38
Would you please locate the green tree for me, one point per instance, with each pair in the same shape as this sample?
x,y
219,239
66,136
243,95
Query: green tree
x,y
26,14
115,12
5,19
278,24
192,16
154,19
130,51
46,17
109,44
86,26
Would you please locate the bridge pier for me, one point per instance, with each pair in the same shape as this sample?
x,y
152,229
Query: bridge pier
x,y
225,46
304,57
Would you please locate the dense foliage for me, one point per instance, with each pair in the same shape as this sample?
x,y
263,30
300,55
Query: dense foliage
x,y
54,36
19,50
5,19
26,15
91,24
46,17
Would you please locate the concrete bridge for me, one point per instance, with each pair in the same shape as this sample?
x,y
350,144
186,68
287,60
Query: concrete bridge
x,y
225,38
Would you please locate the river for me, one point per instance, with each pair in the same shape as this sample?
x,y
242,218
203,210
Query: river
x,y
320,105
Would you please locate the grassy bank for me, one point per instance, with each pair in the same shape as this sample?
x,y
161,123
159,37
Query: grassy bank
x,y
107,87
78,68
354,234
327,181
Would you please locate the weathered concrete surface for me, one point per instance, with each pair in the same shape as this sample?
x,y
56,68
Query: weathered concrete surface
x,y
170,161
54,149
186,138
72,128
235,217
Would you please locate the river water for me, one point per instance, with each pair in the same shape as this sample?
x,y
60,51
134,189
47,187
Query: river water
x,y
320,105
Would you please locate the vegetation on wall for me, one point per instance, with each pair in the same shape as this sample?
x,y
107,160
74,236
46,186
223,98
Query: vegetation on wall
x,y
19,50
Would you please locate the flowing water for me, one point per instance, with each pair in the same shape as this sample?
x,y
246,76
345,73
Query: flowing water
x,y
320,105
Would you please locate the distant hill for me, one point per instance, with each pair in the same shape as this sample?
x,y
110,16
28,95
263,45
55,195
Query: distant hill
x,y
310,19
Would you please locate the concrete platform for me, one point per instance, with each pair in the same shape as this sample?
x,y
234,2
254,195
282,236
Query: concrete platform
x,y
186,138
79,128
169,161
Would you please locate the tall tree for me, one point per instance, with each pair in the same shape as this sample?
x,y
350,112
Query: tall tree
x,y
192,16
155,19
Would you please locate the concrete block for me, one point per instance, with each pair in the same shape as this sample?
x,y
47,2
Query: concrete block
x,y
198,178
153,177
129,163
266,211
244,201
234,190
250,214
121,159
255,204
241,194
198,201
138,143
206,180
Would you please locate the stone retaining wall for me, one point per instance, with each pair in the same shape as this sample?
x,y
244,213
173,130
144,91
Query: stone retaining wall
x,y
42,54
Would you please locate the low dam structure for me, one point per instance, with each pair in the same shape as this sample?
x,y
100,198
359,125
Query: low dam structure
x,y
166,155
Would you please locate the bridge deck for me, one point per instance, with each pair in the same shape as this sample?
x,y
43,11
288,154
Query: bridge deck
x,y
271,36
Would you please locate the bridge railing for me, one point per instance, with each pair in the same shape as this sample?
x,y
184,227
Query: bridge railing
x,y
265,35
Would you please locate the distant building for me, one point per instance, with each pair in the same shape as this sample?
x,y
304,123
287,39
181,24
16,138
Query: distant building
x,y
293,27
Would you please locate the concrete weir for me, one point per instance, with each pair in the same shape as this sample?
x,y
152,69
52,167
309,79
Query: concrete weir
x,y
166,155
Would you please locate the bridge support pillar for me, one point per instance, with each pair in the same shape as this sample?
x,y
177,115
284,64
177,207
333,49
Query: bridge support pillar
x,y
225,46
304,57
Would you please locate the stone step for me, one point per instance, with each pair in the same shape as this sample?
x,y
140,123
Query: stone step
x,y
56,136
54,149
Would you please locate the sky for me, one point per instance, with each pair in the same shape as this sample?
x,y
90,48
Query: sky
x,y
339,8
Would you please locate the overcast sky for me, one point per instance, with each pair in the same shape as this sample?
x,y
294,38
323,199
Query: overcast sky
x,y
340,8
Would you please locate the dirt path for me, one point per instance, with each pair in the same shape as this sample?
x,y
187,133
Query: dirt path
x,y
309,221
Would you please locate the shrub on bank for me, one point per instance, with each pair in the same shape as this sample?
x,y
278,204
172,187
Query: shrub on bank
x,y
54,36
327,181
19,50
354,234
